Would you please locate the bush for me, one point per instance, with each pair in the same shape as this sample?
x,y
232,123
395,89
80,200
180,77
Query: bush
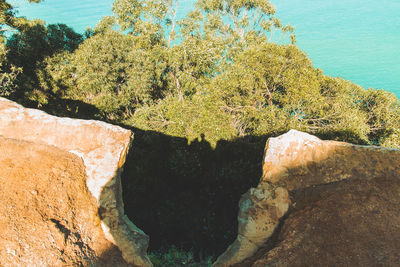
x,y
174,257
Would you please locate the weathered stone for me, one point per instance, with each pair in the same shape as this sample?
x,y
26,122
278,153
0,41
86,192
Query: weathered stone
x,y
102,148
354,222
297,162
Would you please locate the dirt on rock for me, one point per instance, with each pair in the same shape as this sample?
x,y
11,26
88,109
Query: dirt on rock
x,y
47,215
320,203
347,223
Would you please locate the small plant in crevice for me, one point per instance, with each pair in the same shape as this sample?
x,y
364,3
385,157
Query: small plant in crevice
x,y
175,257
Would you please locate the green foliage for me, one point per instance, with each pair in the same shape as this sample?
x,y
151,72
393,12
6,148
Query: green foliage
x,y
7,76
185,117
109,71
9,22
383,117
8,81
177,258
240,22
27,49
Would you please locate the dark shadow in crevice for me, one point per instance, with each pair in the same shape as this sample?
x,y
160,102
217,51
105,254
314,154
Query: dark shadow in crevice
x,y
187,195
180,194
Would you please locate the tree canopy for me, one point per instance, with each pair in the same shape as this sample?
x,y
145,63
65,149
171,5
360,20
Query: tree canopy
x,y
218,71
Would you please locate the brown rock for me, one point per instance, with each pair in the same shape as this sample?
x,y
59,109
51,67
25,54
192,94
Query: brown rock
x,y
317,205
66,194
347,223
42,219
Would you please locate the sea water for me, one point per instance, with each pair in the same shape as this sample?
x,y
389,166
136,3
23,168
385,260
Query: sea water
x,y
358,40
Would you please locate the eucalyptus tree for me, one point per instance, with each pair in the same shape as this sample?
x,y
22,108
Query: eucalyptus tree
x,y
196,49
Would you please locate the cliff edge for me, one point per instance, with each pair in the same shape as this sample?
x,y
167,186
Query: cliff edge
x,y
61,197
320,203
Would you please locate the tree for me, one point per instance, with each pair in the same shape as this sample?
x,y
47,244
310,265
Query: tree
x,y
9,22
8,19
25,47
28,48
383,117
109,70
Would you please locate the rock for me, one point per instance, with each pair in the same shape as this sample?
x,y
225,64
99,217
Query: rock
x,y
68,171
320,203
354,222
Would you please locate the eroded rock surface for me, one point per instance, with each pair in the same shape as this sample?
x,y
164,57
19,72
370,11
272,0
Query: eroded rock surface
x,y
354,222
83,178
320,203
47,215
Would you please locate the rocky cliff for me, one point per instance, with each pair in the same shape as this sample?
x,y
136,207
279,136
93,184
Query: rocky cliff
x,y
320,203
60,193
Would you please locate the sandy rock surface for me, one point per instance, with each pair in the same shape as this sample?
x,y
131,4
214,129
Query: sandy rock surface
x,y
47,215
101,149
320,203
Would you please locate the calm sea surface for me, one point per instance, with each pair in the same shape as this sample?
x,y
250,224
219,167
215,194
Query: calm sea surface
x,y
358,40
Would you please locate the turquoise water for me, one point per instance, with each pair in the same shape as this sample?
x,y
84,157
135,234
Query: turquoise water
x,y
358,40
354,39
78,14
